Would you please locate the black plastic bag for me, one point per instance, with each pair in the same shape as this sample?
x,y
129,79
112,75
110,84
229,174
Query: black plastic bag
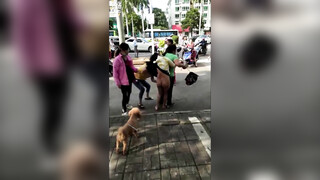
x,y
191,78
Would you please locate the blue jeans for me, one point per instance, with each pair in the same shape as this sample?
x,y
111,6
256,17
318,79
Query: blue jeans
x,y
141,84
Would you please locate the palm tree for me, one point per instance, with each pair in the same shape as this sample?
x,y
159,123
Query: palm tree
x,y
127,9
141,4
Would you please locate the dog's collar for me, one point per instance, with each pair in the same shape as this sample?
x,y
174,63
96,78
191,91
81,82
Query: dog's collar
x,y
133,127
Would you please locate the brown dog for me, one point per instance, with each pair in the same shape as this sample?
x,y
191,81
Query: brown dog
x,y
129,129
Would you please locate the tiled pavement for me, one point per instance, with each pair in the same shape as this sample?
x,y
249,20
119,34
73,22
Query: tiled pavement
x,y
168,148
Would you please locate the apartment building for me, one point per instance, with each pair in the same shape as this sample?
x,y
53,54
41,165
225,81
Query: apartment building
x,y
177,10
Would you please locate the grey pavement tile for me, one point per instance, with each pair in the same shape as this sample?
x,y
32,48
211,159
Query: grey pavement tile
x,y
116,176
151,175
189,132
170,134
151,162
165,174
205,172
190,172
199,153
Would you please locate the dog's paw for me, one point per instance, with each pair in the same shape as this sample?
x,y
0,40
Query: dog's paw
x,y
124,153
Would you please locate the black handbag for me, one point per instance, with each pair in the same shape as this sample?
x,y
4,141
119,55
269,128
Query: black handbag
x,y
191,78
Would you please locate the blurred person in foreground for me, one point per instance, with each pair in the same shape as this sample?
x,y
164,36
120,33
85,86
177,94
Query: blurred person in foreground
x,y
52,43
43,36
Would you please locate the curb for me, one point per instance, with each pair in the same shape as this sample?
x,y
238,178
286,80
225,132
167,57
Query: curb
x,y
168,112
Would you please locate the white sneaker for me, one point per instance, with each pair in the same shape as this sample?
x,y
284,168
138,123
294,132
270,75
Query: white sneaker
x,y
129,107
124,114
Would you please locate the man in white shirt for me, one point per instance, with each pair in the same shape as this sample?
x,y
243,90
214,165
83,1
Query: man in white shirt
x,y
135,45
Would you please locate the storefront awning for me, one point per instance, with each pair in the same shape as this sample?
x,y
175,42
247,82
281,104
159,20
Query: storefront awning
x,y
179,28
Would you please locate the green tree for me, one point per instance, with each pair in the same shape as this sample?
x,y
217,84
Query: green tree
x,y
110,24
140,4
160,19
136,20
126,7
192,20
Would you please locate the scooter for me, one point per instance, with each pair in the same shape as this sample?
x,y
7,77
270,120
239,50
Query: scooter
x,y
187,56
203,45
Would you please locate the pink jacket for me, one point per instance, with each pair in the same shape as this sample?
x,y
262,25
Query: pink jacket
x,y
119,70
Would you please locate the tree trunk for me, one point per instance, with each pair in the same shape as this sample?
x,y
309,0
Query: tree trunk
x,y
142,23
127,26
120,25
132,27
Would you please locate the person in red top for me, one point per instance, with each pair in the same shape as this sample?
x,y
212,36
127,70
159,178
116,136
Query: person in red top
x,y
193,55
123,73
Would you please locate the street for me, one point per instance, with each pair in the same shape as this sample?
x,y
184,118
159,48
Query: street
x,y
185,97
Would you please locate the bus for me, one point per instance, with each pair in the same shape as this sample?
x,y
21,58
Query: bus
x,y
112,33
160,34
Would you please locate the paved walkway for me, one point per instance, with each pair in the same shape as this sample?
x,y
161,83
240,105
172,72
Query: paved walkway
x,y
169,147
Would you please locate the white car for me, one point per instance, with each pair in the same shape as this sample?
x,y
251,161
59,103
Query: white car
x,y
207,38
143,45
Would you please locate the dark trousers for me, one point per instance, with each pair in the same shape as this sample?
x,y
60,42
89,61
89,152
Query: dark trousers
x,y
136,52
53,94
169,101
140,84
126,91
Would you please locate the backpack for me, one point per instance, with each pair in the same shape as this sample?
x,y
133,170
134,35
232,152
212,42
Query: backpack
x,y
191,78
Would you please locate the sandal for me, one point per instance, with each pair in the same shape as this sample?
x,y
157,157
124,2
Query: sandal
x,y
148,98
140,106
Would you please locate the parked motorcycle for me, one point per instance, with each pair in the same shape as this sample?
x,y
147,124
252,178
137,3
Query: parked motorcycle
x,y
203,47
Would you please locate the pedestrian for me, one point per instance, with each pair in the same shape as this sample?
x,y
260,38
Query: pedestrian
x,y
193,52
163,80
135,45
170,53
141,82
123,73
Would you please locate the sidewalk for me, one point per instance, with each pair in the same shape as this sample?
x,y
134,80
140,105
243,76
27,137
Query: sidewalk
x,y
168,147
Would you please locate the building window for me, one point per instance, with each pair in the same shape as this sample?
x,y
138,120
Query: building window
x,y
197,7
185,8
183,15
177,23
186,1
177,1
177,8
205,1
205,15
177,16
205,8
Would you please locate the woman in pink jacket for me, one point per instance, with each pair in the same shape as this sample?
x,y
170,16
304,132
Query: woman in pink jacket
x,y
123,73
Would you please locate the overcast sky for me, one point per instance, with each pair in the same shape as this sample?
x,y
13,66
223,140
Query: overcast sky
x,y
162,4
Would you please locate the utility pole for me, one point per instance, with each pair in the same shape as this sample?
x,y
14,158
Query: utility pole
x,y
151,22
142,20
201,6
